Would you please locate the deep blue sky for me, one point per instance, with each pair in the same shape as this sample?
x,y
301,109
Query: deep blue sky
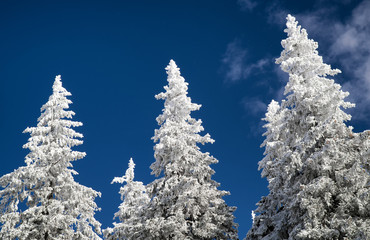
x,y
112,55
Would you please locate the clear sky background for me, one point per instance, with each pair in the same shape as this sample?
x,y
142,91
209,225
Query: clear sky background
x,y
112,55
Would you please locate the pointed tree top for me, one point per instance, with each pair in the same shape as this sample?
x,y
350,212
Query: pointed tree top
x,y
173,71
291,22
172,65
129,175
57,83
58,88
272,108
58,78
300,55
130,171
293,28
176,83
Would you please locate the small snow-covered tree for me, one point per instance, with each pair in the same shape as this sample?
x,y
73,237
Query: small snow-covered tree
x,y
132,209
317,168
55,206
270,208
186,203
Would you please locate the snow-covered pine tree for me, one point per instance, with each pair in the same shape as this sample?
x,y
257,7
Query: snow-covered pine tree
x,y
186,203
317,168
55,206
132,209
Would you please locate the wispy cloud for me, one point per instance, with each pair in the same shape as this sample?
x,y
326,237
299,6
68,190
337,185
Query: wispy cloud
x,y
236,65
276,14
234,60
259,66
256,109
283,78
254,106
247,4
352,48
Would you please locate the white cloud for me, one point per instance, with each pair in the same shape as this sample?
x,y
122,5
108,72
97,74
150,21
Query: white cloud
x,y
276,14
352,40
235,63
256,109
256,67
254,106
247,4
283,78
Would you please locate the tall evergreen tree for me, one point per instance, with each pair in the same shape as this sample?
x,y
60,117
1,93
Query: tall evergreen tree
x,y
56,207
186,203
317,168
132,209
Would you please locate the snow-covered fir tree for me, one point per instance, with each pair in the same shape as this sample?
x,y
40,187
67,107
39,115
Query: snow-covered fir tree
x,y
41,200
317,168
185,202
132,209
